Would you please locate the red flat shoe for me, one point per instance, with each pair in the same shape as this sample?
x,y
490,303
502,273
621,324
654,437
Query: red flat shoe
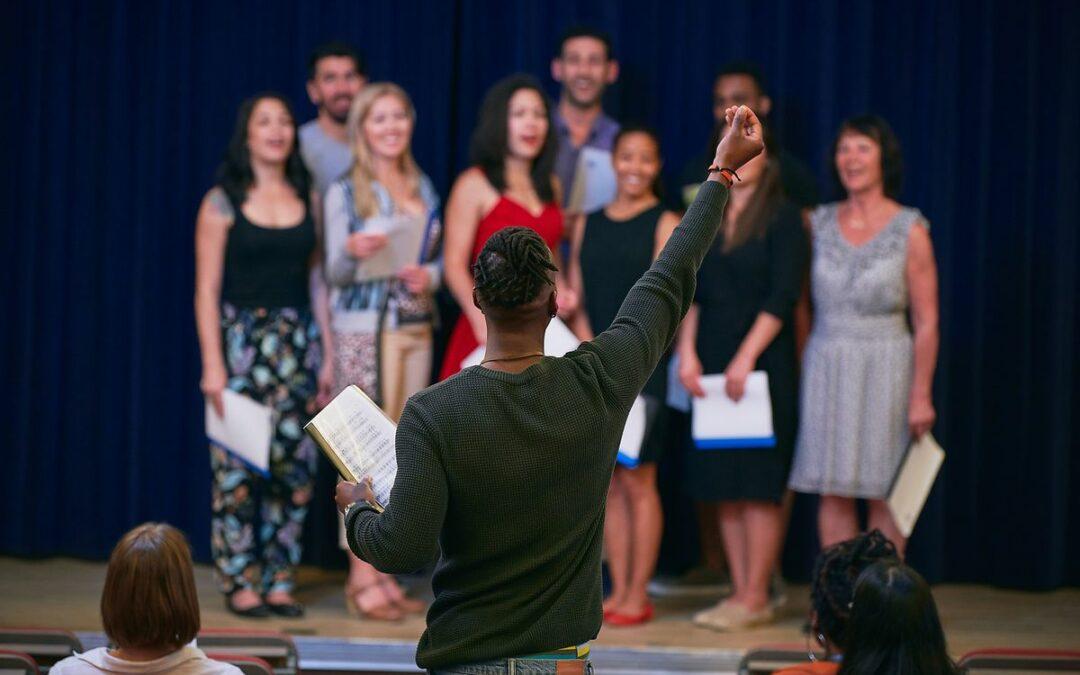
x,y
617,619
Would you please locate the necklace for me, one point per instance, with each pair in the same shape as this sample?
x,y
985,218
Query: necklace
x,y
512,358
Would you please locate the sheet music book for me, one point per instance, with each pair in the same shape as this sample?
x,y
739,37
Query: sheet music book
x,y
594,181
245,431
719,423
633,434
405,236
358,438
558,341
913,482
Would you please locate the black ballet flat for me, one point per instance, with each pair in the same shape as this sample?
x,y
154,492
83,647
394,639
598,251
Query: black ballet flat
x,y
289,610
255,612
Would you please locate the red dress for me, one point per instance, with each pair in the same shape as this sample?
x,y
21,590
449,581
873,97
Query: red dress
x,y
505,213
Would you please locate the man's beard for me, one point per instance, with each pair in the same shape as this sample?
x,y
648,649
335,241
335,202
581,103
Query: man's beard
x,y
579,103
340,118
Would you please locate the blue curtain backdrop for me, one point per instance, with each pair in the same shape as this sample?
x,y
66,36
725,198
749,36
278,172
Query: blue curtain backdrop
x,y
117,114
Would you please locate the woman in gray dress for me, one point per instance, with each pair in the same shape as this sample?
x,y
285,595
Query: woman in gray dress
x,y
867,375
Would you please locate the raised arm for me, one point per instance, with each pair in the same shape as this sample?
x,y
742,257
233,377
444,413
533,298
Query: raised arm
x,y
404,537
646,323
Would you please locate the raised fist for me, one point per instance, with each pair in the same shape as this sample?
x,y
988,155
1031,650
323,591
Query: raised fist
x,y
743,140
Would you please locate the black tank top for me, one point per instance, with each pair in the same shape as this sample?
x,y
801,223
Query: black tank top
x,y
614,255
267,266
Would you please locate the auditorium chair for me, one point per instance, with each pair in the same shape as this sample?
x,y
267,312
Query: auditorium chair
x,y
45,645
277,649
248,665
17,663
1006,661
767,658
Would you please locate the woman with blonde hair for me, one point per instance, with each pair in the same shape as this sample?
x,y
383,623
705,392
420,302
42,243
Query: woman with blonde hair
x,y
382,265
149,609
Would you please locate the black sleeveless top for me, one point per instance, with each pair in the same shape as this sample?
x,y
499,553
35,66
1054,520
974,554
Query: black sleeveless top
x,y
614,255
268,267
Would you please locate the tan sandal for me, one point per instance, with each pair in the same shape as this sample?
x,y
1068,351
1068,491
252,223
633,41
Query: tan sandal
x,y
396,594
360,605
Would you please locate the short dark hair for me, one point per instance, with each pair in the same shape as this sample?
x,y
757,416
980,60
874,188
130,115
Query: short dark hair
x,y
335,48
895,627
832,584
489,143
892,158
748,68
513,267
149,598
579,31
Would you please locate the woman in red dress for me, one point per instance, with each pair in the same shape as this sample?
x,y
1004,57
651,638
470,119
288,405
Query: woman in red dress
x,y
510,183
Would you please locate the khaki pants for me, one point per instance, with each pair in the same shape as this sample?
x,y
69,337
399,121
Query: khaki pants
x,y
406,366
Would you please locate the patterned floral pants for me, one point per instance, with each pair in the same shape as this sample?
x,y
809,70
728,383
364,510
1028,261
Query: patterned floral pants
x,y
272,356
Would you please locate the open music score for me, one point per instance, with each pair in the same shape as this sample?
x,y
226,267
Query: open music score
x,y
358,438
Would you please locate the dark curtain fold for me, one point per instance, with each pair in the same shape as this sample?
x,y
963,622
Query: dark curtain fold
x,y
118,113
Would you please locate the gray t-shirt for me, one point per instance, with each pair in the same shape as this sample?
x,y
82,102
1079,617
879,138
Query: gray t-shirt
x,y
326,158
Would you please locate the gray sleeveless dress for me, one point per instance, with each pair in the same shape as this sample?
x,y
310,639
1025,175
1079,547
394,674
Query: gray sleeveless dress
x,y
857,366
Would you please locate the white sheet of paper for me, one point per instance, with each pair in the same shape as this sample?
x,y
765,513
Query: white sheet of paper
x,y
914,481
558,341
363,437
405,236
245,431
594,181
633,434
718,422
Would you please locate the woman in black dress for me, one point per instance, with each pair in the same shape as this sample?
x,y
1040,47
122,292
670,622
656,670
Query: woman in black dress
x,y
613,247
742,321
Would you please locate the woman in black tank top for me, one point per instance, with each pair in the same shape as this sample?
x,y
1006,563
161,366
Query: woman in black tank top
x,y
613,247
255,244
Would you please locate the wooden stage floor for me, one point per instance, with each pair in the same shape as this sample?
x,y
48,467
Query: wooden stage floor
x,y
64,593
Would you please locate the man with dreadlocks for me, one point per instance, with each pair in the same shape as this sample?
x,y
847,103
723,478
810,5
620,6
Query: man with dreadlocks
x,y
506,465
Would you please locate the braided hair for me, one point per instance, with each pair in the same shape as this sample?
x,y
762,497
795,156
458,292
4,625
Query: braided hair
x,y
514,265
833,582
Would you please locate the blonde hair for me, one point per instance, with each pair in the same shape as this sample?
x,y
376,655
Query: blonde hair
x,y
362,171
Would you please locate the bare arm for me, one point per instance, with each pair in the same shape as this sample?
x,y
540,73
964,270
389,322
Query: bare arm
x,y
669,220
923,289
787,262
461,221
690,370
804,312
211,235
576,280
320,305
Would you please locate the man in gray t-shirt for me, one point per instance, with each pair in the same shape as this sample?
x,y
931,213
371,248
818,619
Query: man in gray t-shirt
x,y
335,76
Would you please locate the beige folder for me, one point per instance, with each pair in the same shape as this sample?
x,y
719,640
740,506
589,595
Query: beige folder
x,y
913,482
